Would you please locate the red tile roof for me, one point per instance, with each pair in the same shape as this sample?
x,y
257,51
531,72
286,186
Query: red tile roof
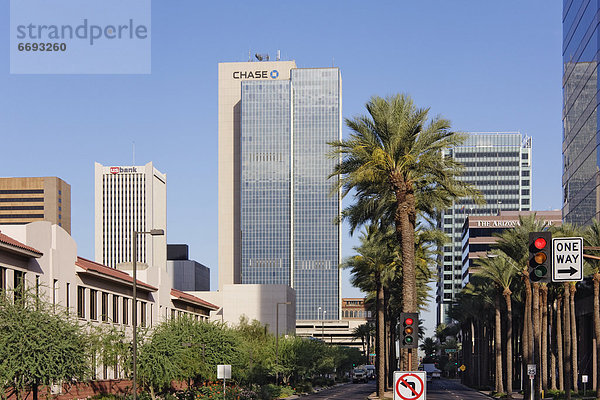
x,y
112,272
12,242
192,299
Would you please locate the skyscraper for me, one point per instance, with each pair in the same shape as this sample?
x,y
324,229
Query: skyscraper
x,y
25,200
127,199
499,166
276,212
581,179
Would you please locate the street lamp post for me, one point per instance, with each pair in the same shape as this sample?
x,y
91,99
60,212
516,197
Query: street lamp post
x,y
277,336
323,326
153,232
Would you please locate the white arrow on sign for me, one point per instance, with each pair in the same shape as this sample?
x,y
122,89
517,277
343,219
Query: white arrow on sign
x,y
567,259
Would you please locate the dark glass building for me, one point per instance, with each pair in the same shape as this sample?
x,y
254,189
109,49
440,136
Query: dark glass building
x,y
287,219
581,198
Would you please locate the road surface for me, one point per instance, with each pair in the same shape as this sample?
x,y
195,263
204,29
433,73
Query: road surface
x,y
349,391
444,389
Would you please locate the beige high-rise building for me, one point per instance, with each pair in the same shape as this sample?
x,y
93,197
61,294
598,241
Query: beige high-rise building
x,y
231,76
25,200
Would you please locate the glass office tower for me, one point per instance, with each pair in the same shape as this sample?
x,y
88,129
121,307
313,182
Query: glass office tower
x,y
499,166
288,230
581,197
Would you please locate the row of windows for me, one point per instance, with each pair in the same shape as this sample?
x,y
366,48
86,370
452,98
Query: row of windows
x,y
488,154
7,216
22,207
24,191
357,314
22,200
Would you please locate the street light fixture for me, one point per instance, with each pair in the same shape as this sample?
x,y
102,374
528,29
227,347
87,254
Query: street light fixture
x,y
277,335
153,232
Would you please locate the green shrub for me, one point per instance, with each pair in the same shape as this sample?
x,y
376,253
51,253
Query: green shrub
x,y
304,387
106,396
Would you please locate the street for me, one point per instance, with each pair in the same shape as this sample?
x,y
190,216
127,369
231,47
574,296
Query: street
x,y
350,391
438,389
444,389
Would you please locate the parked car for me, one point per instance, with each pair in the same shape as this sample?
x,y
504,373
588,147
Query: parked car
x,y
359,375
432,371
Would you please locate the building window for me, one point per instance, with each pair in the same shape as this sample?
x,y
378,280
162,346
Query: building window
x,y
68,297
59,192
80,302
93,304
142,313
104,307
525,173
173,315
19,285
125,314
115,309
524,201
525,192
2,278
525,182
60,200
54,289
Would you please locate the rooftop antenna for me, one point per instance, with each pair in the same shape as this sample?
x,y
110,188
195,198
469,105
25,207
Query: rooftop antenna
x,y
278,55
262,57
249,56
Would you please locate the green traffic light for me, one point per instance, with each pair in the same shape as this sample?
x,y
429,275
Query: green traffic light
x,y
540,271
408,339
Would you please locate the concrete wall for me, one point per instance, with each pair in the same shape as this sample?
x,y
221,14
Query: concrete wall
x,y
257,302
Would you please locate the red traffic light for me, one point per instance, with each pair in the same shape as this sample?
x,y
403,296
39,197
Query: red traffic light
x,y
408,321
539,243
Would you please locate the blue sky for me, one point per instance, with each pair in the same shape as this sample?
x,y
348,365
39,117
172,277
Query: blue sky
x,y
486,66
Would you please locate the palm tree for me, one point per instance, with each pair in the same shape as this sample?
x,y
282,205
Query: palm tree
x,y
514,243
429,347
394,162
363,332
501,270
591,237
375,258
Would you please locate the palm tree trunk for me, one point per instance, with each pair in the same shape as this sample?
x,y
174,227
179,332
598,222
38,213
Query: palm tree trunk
x,y
536,337
498,347
393,362
560,343
552,336
597,329
567,340
509,360
572,290
544,369
380,340
405,221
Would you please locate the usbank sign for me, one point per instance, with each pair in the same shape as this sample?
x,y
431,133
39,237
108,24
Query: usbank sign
x,y
122,170
256,74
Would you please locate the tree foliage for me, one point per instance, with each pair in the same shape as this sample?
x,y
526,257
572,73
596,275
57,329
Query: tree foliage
x,y
37,345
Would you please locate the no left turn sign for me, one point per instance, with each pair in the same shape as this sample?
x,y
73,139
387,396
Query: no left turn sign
x,y
409,385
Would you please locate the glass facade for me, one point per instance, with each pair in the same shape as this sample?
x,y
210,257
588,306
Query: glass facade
x,y
581,197
265,191
289,234
499,166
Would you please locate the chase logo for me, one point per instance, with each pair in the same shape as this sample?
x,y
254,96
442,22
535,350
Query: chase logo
x,y
274,74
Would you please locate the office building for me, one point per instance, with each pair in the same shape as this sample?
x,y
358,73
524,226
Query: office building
x,y
25,200
499,166
188,275
479,234
276,212
581,196
128,199
43,257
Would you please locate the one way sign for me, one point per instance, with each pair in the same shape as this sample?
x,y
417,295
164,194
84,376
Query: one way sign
x,y
567,259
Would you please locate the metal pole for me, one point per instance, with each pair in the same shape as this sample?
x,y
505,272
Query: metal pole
x,y
223,388
134,305
323,327
531,380
277,342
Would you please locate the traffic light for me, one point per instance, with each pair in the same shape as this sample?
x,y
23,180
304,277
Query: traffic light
x,y
410,330
540,256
